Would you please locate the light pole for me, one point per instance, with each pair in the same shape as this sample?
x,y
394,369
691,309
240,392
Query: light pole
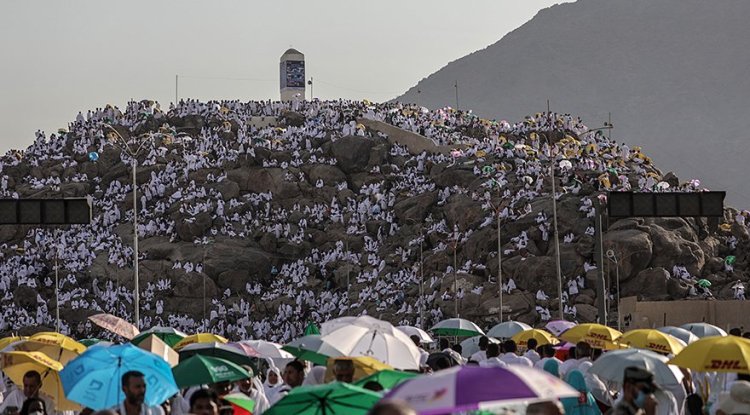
x,y
421,272
558,268
133,154
205,244
499,260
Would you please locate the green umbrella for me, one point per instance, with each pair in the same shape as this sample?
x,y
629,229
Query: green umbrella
x,y
704,283
386,378
312,348
328,399
89,342
168,335
204,370
311,329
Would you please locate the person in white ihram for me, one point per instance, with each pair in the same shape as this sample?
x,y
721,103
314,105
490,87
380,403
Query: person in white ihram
x,y
739,290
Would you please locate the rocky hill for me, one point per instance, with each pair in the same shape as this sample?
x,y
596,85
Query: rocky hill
x,y
286,214
671,72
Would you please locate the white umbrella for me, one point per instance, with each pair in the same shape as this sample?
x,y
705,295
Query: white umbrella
x,y
335,324
508,329
610,367
456,327
679,333
416,331
704,329
471,345
270,351
380,341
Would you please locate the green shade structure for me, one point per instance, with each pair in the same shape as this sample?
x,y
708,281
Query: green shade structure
x,y
312,348
204,370
330,399
168,335
386,378
311,329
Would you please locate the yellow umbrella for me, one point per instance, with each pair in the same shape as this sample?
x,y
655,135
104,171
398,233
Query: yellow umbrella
x,y
542,337
363,366
199,338
596,335
16,364
7,341
55,345
716,354
653,340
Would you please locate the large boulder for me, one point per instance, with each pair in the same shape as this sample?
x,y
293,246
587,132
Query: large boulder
x,y
330,175
415,208
189,230
632,248
649,284
675,246
352,153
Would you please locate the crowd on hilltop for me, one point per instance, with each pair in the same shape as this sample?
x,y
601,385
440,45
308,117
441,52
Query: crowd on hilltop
x,y
521,174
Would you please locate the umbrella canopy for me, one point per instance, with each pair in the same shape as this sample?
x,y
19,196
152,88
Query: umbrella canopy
x,y
542,337
115,325
55,345
680,333
90,341
220,350
424,337
380,340
16,364
241,403
157,346
611,366
199,338
245,349
716,354
596,335
471,345
702,330
311,329
268,349
386,378
93,379
169,335
653,340
467,388
558,327
507,329
312,348
456,327
7,341
329,399
363,366
205,370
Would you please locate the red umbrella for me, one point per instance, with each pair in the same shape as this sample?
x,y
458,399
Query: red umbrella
x,y
246,349
115,325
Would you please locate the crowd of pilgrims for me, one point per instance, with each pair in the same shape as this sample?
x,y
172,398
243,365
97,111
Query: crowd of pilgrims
x,y
589,157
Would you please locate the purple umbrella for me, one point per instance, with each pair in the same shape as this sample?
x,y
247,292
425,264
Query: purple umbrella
x,y
466,388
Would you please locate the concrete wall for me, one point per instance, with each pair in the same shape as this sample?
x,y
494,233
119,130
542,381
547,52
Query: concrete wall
x,y
651,314
414,142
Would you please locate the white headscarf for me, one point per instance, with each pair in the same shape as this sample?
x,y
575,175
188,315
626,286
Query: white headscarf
x,y
270,389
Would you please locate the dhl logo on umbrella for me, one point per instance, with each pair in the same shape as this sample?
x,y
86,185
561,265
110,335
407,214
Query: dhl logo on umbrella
x,y
658,347
726,365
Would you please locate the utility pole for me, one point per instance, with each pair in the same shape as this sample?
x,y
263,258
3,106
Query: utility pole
x,y
312,94
421,281
558,269
57,280
499,266
176,89
601,299
455,272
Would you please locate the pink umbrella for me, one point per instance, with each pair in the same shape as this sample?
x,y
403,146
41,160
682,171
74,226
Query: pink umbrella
x,y
246,349
115,325
557,327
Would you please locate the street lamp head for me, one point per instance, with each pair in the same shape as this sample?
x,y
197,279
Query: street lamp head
x,y
611,255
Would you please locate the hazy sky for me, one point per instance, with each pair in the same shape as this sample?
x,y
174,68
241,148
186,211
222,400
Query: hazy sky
x,y
59,57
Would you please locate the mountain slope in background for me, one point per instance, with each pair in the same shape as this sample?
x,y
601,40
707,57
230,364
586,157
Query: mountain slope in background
x,y
673,73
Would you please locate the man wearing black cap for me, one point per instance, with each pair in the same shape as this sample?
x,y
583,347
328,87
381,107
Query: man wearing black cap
x,y
637,393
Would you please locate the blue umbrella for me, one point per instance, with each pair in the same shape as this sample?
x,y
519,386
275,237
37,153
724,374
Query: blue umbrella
x,y
93,379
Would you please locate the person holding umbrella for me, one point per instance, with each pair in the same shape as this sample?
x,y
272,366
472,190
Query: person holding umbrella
x,y
637,393
32,383
134,388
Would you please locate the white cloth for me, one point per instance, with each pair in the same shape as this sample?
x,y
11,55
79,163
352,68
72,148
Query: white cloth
x,y
479,356
16,398
492,362
532,355
145,409
514,359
